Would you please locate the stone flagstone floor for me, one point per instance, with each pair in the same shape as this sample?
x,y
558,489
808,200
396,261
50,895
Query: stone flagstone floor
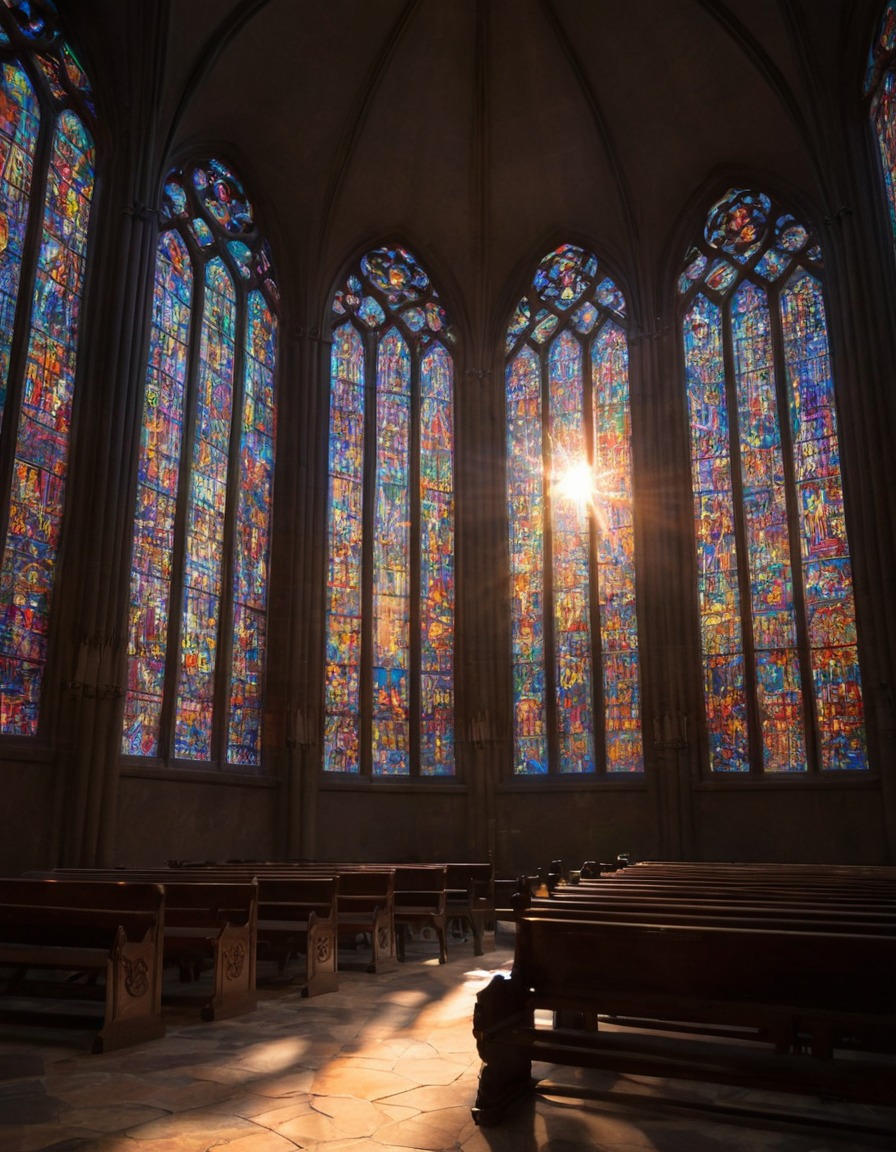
x,y
387,1063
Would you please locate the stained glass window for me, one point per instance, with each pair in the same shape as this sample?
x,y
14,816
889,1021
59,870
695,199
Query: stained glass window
x,y
46,186
389,692
574,634
880,89
202,533
781,677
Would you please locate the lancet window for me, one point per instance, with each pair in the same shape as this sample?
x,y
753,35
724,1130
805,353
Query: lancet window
x,y
390,599
197,634
574,631
781,681
47,174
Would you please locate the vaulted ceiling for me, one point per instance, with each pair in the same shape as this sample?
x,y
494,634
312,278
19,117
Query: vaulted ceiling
x,y
481,132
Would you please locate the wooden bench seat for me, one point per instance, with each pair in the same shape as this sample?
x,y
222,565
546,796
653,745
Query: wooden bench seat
x,y
297,915
421,902
102,943
471,900
783,989
780,979
215,922
210,922
365,905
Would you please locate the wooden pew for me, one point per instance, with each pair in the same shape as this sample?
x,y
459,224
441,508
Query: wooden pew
x,y
216,922
297,914
785,987
471,900
105,939
365,905
421,901
210,921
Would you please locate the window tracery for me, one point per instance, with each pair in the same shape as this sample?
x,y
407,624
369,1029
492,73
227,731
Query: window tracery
x,y
781,679
389,665
198,617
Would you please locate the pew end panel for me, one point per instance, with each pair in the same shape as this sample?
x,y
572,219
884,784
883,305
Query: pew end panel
x,y
297,916
87,943
215,922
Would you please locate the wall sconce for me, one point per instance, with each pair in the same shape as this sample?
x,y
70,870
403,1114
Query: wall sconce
x,y
480,729
95,668
670,730
300,728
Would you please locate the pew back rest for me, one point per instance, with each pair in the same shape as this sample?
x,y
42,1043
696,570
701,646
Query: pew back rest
x,y
367,888
799,969
210,903
470,884
80,912
297,897
420,886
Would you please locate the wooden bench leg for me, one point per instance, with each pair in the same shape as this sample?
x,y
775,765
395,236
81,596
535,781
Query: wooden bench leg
x,y
382,943
234,976
506,1074
133,1011
320,961
501,1085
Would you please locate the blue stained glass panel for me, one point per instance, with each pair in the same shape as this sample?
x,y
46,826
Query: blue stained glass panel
x,y
778,688
157,482
37,496
718,588
525,515
391,559
824,547
437,563
882,83
200,612
615,532
343,622
571,578
19,127
253,537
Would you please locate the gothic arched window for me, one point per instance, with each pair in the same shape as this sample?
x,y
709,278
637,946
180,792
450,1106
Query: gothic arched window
x,y
880,89
777,617
574,634
389,693
46,187
202,529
